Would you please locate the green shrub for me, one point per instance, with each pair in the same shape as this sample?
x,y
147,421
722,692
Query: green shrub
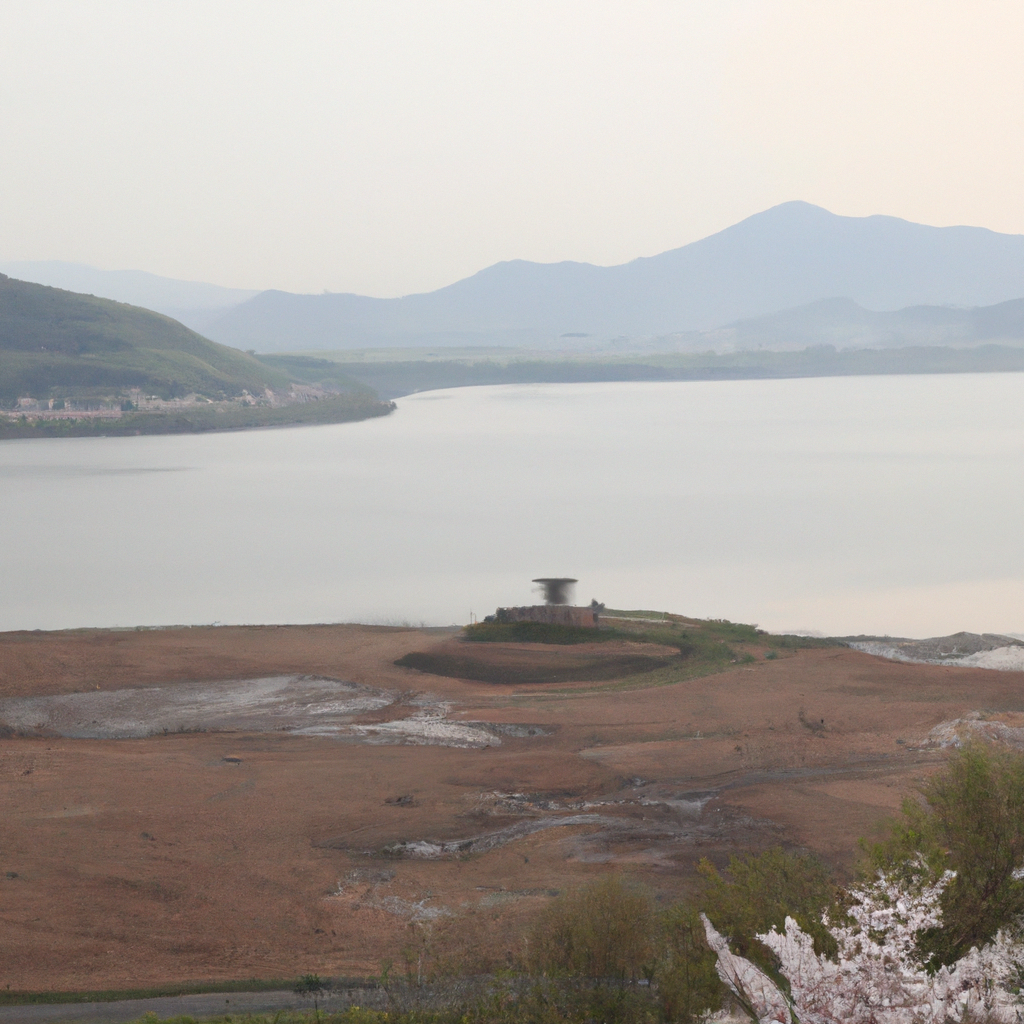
x,y
971,822
737,632
688,983
605,930
757,892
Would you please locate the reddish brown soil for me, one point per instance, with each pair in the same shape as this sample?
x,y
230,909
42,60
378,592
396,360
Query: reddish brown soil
x,y
137,861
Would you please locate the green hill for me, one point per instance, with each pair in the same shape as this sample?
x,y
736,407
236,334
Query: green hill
x,y
59,343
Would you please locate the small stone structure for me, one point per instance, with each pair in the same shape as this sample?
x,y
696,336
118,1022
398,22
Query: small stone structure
x,y
556,611
552,614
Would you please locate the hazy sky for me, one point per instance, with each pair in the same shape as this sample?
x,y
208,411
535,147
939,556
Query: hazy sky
x,y
390,147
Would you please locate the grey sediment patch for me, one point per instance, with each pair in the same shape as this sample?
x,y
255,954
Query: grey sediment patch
x,y
275,703
296,704
426,850
683,824
515,730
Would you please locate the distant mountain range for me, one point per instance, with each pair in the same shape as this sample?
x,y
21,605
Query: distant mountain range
x,y
792,276
843,324
193,303
788,256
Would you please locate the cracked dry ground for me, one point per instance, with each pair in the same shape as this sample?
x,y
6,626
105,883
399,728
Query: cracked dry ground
x,y
266,854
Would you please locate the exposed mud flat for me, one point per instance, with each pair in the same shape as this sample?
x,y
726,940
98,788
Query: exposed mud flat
x,y
640,825
296,704
346,799
614,830
277,703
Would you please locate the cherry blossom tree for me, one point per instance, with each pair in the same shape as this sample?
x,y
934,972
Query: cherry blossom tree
x,y
878,976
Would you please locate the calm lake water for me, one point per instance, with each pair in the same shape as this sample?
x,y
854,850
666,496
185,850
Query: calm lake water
x,y
847,505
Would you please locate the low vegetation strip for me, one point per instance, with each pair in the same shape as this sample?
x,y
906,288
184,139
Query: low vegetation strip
x,y
529,669
645,627
635,646
395,378
197,419
78,366
537,633
14,998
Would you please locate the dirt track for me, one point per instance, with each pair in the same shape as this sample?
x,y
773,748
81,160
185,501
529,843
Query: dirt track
x,y
236,854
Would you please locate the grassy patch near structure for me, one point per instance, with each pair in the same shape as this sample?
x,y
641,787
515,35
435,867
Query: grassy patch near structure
x,y
536,633
720,629
688,635
530,670
704,646
635,613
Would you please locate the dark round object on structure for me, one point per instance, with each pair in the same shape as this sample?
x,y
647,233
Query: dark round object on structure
x,y
556,588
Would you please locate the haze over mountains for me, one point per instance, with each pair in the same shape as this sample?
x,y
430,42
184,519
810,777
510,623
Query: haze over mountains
x,y
788,256
792,276
193,303
844,324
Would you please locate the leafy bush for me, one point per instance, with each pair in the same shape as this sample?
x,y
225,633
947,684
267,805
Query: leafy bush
x,y
971,822
737,632
605,930
757,892
610,931
688,984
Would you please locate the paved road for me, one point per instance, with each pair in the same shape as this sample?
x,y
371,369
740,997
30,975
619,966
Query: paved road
x,y
198,1006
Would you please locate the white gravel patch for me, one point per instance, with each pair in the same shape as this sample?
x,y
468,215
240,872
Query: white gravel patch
x,y
1005,659
429,726
974,725
884,650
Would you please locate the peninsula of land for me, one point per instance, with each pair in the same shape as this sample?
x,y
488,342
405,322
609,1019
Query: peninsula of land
x,y
76,365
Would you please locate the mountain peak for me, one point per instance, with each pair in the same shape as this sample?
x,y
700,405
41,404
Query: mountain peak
x,y
790,255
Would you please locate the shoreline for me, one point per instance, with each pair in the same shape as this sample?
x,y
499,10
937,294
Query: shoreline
x,y
344,409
